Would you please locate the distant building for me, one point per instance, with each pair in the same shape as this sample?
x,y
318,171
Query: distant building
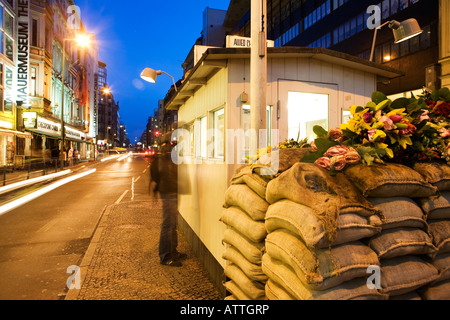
x,y
341,25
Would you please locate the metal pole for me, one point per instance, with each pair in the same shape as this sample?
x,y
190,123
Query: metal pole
x,y
258,74
62,104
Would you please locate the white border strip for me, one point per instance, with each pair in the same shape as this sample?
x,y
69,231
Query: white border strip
x,y
24,183
29,197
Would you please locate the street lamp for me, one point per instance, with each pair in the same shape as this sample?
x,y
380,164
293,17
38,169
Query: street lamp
x,y
150,75
402,31
82,40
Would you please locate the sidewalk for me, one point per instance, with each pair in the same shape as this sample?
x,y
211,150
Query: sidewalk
x,y
122,260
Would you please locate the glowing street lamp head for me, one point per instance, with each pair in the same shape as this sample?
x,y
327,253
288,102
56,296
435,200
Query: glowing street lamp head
x,y
150,75
82,40
106,91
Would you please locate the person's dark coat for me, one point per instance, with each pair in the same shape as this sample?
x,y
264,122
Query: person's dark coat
x,y
164,172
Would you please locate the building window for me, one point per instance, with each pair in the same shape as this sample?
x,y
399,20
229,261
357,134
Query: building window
x,y
306,110
202,138
219,133
34,33
33,84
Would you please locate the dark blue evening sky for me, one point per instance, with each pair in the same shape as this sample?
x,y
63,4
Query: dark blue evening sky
x,y
136,34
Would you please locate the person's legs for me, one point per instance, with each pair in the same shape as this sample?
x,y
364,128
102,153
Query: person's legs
x,y
168,240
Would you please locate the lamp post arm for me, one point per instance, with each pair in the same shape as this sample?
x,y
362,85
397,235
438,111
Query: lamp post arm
x,y
375,39
174,84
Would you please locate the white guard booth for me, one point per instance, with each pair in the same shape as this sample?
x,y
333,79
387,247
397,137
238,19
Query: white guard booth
x,y
305,87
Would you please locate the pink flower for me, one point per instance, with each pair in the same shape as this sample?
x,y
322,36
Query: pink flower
x,y
324,162
313,146
338,162
396,118
352,156
388,123
444,133
337,134
425,116
371,134
336,151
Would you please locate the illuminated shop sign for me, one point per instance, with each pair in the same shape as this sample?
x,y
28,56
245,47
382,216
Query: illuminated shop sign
x,y
23,50
54,128
30,120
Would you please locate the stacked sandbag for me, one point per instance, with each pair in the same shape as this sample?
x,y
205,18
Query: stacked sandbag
x,y
437,211
404,246
245,210
315,224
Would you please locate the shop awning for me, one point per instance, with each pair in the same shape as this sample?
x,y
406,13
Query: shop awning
x,y
12,133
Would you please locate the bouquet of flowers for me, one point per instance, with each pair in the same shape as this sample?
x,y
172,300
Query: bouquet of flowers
x,y
404,130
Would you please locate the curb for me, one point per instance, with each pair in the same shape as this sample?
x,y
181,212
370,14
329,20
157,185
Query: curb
x,y
72,294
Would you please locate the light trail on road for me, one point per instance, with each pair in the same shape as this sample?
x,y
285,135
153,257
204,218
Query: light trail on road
x,y
29,197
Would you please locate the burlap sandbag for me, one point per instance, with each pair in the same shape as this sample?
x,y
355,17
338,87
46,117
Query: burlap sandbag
x,y
313,227
276,292
440,234
242,222
442,263
400,212
284,276
398,242
410,296
230,297
253,289
389,180
437,291
252,271
312,186
320,269
436,207
286,159
405,274
437,174
245,175
252,251
240,195
235,291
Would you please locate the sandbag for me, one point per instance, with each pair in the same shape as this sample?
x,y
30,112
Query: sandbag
x,y
252,251
284,276
405,274
440,234
320,269
314,187
435,173
242,222
252,271
313,228
400,212
410,296
245,175
436,207
253,289
286,159
277,292
437,291
398,242
240,195
442,263
235,291
389,180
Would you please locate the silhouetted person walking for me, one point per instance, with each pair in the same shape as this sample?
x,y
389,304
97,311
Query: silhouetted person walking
x,y
164,175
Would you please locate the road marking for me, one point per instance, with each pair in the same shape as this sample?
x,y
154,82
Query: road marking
x,y
132,189
47,226
121,197
145,170
137,179
29,197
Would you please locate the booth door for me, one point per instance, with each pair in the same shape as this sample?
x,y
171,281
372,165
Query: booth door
x,y
304,105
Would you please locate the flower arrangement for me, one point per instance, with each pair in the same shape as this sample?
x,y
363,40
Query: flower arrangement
x,y
404,130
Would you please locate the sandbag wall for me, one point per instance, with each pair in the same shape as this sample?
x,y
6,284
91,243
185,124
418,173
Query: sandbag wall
x,y
404,247
245,210
437,211
315,225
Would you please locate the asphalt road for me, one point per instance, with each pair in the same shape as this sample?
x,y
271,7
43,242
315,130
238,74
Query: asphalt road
x,y
40,240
